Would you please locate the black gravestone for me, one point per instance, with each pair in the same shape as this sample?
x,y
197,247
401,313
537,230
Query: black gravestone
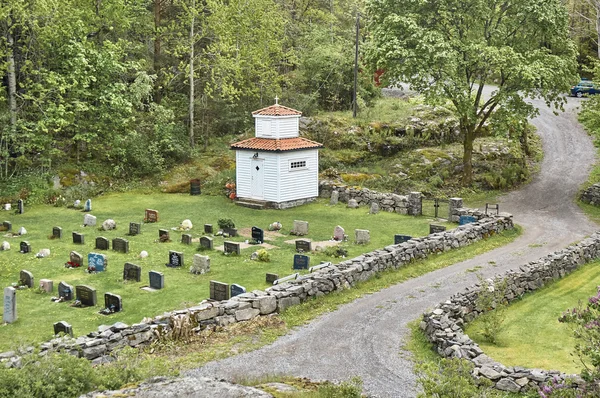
x,y
7,225
433,229
113,302
258,235
208,228
186,239
132,272
21,206
303,246
86,295
219,291
231,248
163,235
102,243
175,259
135,228
301,261
25,247
206,242
63,327
401,239
65,291
26,279
57,232
271,278
236,290
157,280
120,245
78,238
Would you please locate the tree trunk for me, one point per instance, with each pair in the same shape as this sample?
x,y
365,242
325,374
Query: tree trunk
x,y
12,95
157,50
468,155
597,4
191,76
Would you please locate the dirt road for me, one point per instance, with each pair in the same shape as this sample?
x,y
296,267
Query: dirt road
x,y
364,338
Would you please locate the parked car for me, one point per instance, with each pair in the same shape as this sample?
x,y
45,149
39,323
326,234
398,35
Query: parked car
x,y
584,87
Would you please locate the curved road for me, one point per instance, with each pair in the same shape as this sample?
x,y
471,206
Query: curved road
x,y
364,338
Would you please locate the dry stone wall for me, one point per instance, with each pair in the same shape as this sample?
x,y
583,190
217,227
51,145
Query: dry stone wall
x,y
592,195
444,325
98,345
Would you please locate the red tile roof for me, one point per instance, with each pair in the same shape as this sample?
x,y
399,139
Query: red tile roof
x,y
277,110
280,145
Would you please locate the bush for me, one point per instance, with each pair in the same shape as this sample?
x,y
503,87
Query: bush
x,y
225,223
336,251
263,255
491,300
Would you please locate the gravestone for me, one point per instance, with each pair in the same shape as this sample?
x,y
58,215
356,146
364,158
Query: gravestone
x,y
75,259
339,233
200,264
102,243
303,246
236,290
89,220
466,220
401,239
132,272
151,216
63,327
186,239
20,206
157,280
25,247
301,261
7,226
258,235
97,262
22,231
362,236
47,285
175,259
300,228
163,235
219,291
113,302
374,208
206,242
7,206
65,291
120,245
231,248
335,197
10,305
135,228
78,238
88,205
57,232
208,228
270,278
86,295
352,204
434,229
26,279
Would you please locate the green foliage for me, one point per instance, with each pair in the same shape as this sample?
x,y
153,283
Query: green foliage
x,y
450,378
263,255
492,302
226,223
337,251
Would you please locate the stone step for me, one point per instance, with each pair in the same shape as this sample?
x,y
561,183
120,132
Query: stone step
x,y
252,204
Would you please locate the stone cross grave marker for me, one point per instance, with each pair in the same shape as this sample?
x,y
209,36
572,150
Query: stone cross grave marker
x,y
300,228
75,259
26,279
151,216
7,226
20,206
25,247
97,262
466,220
102,243
132,272
135,228
86,295
63,327
401,239
113,302
362,236
47,285
78,238
10,305
208,228
258,235
434,229
303,246
57,232
339,233
157,280
186,239
206,242
175,259
231,247
301,261
163,235
270,278
219,291
65,291
89,220
120,245
236,290
88,205
200,264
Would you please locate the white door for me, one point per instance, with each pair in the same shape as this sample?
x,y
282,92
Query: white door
x,y
258,179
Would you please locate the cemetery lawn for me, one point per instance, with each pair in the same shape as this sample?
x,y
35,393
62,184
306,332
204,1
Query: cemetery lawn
x,y
531,335
37,313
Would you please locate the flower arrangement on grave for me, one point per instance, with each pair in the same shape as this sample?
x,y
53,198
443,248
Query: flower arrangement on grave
x,y
59,201
72,264
91,269
230,191
164,238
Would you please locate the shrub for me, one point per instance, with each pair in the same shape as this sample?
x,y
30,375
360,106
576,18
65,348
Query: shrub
x,y
336,251
491,300
263,255
225,223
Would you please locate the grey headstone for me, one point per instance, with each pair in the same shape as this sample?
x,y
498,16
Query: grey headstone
x,y
97,261
57,232
206,242
75,259
303,246
433,229
135,228
10,305
335,197
339,233
86,295
362,236
200,264
352,204
63,327
26,279
186,239
374,208
175,259
219,291
236,290
47,285
78,238
157,280
65,291
151,216
113,302
300,228
301,261
89,220
120,245
231,248
132,272
25,247
102,243
208,228
270,278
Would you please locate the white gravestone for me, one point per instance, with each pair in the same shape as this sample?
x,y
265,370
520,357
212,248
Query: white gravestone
x,y
10,305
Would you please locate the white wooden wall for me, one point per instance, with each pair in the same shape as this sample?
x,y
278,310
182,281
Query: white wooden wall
x,y
280,126
299,184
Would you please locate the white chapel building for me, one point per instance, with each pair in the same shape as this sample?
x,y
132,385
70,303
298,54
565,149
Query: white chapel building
x,y
277,168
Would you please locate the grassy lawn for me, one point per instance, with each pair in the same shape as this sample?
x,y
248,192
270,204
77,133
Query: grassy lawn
x,y
531,335
37,313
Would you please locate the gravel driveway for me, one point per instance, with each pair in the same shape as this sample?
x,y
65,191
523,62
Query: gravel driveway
x,y
364,338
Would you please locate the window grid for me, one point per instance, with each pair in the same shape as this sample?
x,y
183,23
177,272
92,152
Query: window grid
x,y
297,164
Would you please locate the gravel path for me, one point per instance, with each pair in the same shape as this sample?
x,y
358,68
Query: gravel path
x,y
364,338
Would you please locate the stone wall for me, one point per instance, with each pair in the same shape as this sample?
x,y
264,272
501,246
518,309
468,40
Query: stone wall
x,y
96,346
444,324
592,195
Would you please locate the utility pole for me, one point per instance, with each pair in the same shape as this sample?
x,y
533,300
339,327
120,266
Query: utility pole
x,y
354,95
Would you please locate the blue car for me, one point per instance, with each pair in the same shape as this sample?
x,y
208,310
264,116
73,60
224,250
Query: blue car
x,y
584,87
